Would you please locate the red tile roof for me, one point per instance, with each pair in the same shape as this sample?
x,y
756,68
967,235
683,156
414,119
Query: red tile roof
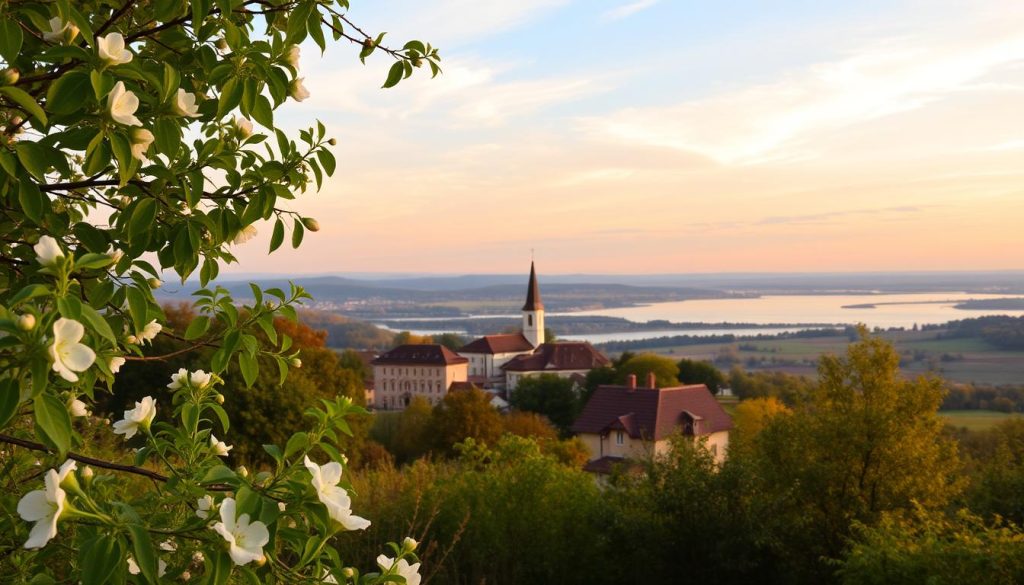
x,y
566,355
652,413
420,354
492,344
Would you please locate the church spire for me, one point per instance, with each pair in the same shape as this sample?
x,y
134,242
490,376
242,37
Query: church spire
x,y
533,302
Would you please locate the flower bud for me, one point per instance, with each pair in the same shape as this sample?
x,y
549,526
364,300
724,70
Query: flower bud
x,y
242,471
295,362
27,322
311,224
332,142
417,62
87,473
154,283
222,45
261,561
219,398
131,339
11,76
368,43
348,573
185,576
197,557
409,545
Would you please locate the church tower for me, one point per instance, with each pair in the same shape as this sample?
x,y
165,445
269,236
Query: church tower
x,y
533,312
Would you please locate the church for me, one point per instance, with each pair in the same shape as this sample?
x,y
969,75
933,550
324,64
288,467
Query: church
x,y
496,363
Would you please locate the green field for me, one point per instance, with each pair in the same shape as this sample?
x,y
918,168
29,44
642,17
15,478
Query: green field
x,y
975,420
970,359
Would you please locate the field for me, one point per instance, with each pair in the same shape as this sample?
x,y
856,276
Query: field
x,y
975,420
968,359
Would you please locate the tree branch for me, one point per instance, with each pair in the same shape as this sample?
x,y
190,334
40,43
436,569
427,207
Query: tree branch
x,y
99,462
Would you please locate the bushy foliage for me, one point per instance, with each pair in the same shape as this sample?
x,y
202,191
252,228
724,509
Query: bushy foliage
x,y
129,150
550,395
700,372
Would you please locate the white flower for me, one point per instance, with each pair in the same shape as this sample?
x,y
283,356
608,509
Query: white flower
x,y
122,105
297,90
243,126
149,331
115,254
200,379
245,539
60,31
48,251
115,364
67,354
141,139
220,448
112,49
247,233
134,569
204,505
291,57
178,379
339,505
77,408
281,506
403,568
137,418
185,104
43,507
169,546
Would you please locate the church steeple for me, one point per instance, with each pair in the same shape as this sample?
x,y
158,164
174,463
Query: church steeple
x,y
533,302
533,312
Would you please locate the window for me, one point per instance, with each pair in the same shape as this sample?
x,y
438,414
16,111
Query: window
x,y
619,440
529,320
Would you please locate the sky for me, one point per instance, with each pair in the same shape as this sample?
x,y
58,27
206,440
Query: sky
x,y
669,136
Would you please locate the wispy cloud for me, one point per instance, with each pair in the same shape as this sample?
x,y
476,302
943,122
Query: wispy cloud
x,y
628,9
776,121
829,216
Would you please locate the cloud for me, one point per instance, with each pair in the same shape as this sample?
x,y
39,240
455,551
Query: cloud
x,y
825,217
627,10
778,121
449,23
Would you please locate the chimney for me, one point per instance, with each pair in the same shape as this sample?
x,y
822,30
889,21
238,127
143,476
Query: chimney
x,y
652,381
631,382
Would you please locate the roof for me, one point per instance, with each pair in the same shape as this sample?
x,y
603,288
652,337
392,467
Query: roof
x,y
652,413
420,354
492,344
533,302
566,355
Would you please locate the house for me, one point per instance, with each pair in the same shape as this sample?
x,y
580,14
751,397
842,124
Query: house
x,y
427,370
489,353
566,359
620,423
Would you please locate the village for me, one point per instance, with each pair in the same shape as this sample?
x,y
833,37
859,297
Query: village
x,y
619,423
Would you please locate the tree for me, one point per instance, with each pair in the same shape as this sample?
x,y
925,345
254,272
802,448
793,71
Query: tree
x,y
867,442
129,152
665,371
752,416
413,437
549,395
465,414
452,341
700,372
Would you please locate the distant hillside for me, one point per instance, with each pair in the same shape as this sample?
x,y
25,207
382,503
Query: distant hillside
x,y
348,333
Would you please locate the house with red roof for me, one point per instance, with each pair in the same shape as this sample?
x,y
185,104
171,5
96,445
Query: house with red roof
x,y
628,422
566,359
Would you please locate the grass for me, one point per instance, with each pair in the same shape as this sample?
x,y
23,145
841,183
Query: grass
x,y
975,420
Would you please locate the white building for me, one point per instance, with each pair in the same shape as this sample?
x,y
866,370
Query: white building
x,y
426,370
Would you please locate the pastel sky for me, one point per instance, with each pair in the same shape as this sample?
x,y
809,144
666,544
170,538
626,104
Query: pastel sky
x,y
654,136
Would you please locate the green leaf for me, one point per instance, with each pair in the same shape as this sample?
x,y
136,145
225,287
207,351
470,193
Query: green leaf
x,y
145,556
93,261
197,328
65,95
297,233
99,559
137,306
11,38
394,74
29,292
98,323
218,568
222,416
31,200
10,397
33,158
8,163
53,422
326,160
25,101
250,368
262,112
230,96
168,136
101,84
171,82
142,218
219,474
296,443
123,153
70,307
277,238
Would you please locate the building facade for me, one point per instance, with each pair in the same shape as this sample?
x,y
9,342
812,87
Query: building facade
x,y
563,359
426,370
